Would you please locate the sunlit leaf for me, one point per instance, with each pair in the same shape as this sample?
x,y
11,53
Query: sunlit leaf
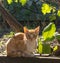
x,y
16,0
55,48
40,47
53,9
46,8
58,13
9,1
49,31
23,2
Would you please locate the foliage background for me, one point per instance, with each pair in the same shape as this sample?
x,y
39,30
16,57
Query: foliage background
x,y
32,13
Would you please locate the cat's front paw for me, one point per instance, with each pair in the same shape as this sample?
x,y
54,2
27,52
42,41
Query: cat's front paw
x,y
28,55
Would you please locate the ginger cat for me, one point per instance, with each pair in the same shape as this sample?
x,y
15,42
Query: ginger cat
x,y
23,44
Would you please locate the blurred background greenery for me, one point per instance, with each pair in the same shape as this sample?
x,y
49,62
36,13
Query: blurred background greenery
x,y
32,13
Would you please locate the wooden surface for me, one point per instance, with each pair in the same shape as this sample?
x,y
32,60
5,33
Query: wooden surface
x,y
4,59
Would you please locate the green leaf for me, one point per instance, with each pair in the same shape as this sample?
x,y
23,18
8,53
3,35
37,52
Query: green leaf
x,y
58,13
50,39
58,36
49,31
46,49
23,2
40,47
16,0
55,48
52,17
9,1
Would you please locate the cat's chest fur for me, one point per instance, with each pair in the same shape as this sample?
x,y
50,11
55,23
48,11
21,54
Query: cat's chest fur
x,y
31,45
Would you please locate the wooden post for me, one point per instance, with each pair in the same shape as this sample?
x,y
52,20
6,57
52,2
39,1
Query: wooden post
x,y
14,24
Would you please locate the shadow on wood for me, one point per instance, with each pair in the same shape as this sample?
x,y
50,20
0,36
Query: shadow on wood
x,y
29,60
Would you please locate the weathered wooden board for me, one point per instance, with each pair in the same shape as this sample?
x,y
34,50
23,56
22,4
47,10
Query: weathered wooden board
x,y
4,59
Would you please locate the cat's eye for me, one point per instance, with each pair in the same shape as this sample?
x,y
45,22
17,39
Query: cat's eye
x,y
31,35
28,35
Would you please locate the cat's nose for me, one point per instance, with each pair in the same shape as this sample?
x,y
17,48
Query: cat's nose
x,y
31,36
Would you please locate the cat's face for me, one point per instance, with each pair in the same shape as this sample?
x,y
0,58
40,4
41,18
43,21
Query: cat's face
x,y
32,33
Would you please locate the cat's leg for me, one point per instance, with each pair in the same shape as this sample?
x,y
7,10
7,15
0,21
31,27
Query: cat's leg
x,y
11,53
14,53
27,54
10,48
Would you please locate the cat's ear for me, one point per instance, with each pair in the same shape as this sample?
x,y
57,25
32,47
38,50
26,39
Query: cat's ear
x,y
26,30
37,29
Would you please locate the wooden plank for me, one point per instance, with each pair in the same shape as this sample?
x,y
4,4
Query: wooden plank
x,y
4,59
